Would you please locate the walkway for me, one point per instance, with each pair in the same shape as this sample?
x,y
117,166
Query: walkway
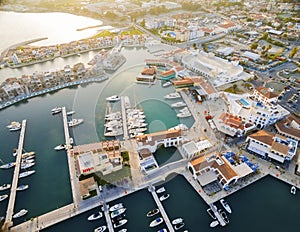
x,y
124,118
217,214
10,208
161,209
107,217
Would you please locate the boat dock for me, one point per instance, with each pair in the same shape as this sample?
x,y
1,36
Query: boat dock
x,y
12,197
124,118
105,209
217,214
161,209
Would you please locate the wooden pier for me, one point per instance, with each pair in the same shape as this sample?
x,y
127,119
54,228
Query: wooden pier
x,y
12,197
124,118
161,209
105,209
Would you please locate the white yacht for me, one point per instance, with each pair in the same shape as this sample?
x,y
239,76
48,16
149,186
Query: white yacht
x,y
178,104
27,173
123,230
179,127
95,216
116,132
225,205
3,197
4,187
184,115
116,207
22,187
113,98
177,220
8,165
27,165
117,212
152,212
100,229
172,95
166,84
21,213
71,113
75,122
120,223
293,190
214,223
164,197
160,190
60,147
156,222
14,126
28,154
137,130
56,110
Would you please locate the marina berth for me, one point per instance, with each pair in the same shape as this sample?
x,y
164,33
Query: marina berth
x,y
75,122
100,229
152,212
95,216
22,187
156,222
21,213
4,187
225,205
113,98
211,213
3,197
118,218
120,223
8,165
116,207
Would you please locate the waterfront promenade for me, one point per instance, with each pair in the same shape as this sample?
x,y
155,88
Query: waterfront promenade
x,y
12,197
161,209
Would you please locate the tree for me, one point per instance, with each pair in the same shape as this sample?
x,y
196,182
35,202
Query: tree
x,y
253,46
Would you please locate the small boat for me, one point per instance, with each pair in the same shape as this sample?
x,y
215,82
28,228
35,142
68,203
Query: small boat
x,y
27,173
116,207
113,98
95,216
71,113
22,187
184,115
156,222
21,213
14,126
60,147
100,229
117,212
27,160
75,122
28,154
214,223
123,230
4,187
137,130
183,110
293,190
27,165
15,152
177,220
211,213
224,216
8,165
56,110
172,96
160,190
164,197
152,212
113,133
178,104
163,230
3,197
120,223
166,84
225,205
71,140
179,226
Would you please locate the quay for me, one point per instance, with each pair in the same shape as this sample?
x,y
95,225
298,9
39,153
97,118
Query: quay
x,y
217,214
12,197
124,118
105,209
161,209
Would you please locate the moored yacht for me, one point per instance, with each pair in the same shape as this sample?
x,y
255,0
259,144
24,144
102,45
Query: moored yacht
x,y
179,226
177,220
152,212
95,216
56,110
120,223
293,190
28,154
166,84
116,207
75,122
21,213
113,98
8,165
27,165
160,190
4,187
100,229
60,147
14,126
178,104
224,216
225,205
3,197
22,187
71,113
156,222
214,223
184,114
27,173
164,197
172,95
163,230
117,212
123,230
211,213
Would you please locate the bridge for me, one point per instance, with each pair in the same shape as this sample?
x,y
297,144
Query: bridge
x,y
12,197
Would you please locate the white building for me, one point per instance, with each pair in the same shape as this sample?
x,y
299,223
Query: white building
x,y
192,148
13,90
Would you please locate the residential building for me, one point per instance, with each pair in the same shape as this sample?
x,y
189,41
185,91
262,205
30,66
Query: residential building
x,y
289,127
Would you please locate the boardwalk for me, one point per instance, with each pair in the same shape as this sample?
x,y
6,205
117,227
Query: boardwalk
x,y
161,209
124,118
10,208
217,214
107,217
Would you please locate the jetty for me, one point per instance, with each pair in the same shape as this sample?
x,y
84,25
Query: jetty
x,y
161,209
105,209
217,214
12,197
124,118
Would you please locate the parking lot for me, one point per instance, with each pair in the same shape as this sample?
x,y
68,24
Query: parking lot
x,y
290,99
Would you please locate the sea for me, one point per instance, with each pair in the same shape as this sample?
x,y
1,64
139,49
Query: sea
x,y
266,205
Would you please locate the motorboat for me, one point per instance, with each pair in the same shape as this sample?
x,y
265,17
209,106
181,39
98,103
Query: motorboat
x,y
27,173
22,187
3,197
224,216
183,110
178,104
164,197
14,126
117,212
179,226
114,133
152,212
56,110
123,230
71,113
27,165
95,216
27,161
112,115
113,123
179,127
156,222
116,207
214,223
120,223
5,186
163,230
118,218
211,213
60,147
8,165
100,229
28,154
15,152
160,190
137,130
177,220
166,84
172,96
113,98
137,125
21,213
293,190
225,205
75,122
184,115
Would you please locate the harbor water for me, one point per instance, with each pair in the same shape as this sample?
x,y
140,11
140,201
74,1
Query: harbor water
x,y
266,205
